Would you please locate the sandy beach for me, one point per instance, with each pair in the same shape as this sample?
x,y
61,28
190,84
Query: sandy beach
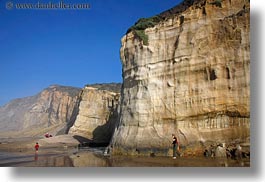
x,y
47,158
63,151
71,158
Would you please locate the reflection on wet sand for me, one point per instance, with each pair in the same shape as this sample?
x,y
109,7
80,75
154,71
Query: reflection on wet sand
x,y
94,158
51,161
44,158
36,157
39,161
46,161
179,162
89,159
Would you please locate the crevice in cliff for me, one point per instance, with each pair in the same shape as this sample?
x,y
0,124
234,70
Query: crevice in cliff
x,y
210,74
67,109
213,75
176,44
204,11
121,100
214,114
50,110
228,73
74,115
58,111
184,136
181,20
102,135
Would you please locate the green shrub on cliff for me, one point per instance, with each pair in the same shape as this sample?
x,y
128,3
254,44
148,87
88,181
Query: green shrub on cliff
x,y
142,24
142,36
145,23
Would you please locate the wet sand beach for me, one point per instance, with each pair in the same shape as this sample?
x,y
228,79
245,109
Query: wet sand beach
x,y
63,152
85,159
53,152
48,159
93,158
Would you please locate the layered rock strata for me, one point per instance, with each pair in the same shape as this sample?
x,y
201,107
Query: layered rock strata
x,y
191,79
49,111
97,115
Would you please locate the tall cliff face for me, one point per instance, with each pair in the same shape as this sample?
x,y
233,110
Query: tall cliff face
x,y
190,77
51,110
97,115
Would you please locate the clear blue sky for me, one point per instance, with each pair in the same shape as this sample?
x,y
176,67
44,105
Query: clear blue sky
x,y
39,48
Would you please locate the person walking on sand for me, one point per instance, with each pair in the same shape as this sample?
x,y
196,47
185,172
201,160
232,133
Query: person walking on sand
x,y
37,147
175,144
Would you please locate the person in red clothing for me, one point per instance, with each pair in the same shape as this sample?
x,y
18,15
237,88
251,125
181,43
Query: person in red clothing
x,y
37,147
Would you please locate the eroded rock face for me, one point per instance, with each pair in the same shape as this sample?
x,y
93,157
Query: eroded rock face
x,y
49,111
97,115
192,79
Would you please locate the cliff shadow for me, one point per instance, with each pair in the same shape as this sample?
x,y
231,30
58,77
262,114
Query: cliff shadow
x,y
102,134
73,117
84,142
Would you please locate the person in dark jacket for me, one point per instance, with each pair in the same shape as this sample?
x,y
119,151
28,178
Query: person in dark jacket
x,y
175,145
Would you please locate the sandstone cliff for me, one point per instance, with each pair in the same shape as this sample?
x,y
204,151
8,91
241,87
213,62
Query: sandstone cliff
x,y
97,115
188,73
112,87
49,111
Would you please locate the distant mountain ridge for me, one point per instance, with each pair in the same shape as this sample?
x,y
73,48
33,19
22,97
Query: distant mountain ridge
x,y
53,110
48,110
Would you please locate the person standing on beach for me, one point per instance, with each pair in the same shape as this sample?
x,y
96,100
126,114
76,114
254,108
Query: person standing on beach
x,y
37,147
175,144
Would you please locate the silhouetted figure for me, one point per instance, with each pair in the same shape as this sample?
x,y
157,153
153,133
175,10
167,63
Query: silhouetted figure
x,y
206,153
238,152
212,149
228,153
175,144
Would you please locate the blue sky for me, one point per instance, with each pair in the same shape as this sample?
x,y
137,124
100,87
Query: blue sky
x,y
39,48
